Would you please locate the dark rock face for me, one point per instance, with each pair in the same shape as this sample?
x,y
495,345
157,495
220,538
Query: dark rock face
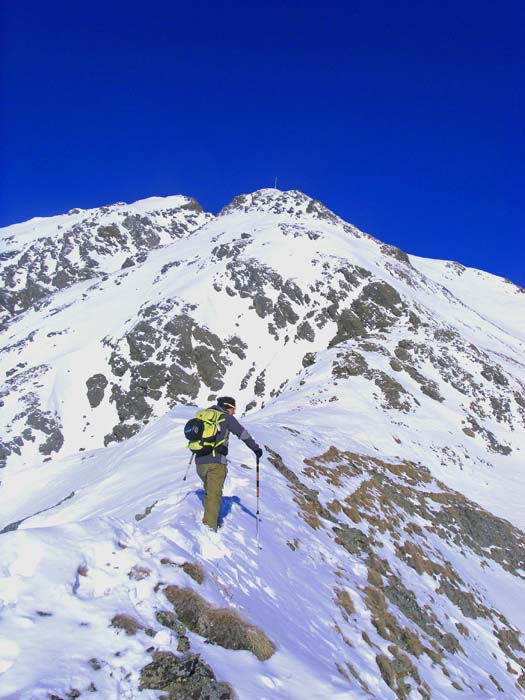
x,y
184,678
379,306
170,356
485,534
247,377
208,368
405,600
284,313
260,384
45,423
308,359
290,203
6,449
394,396
238,347
128,262
349,364
384,295
31,423
142,341
396,253
14,301
251,279
263,305
305,332
86,248
96,386
110,234
142,232
352,539
121,432
180,383
166,357
132,403
495,375
349,326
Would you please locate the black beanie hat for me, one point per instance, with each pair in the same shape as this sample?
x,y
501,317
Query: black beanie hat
x,y
226,402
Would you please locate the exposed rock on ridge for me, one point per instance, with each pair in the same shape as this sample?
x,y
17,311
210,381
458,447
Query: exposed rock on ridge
x,y
97,242
265,299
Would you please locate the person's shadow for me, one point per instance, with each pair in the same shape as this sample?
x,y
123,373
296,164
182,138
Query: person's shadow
x,y
226,505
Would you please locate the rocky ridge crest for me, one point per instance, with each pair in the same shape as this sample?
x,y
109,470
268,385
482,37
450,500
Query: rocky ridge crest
x,y
265,299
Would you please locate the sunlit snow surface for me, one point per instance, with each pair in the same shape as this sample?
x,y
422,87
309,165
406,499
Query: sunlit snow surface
x,y
56,614
76,526
55,619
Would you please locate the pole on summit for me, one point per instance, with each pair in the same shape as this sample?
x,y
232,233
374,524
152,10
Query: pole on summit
x,y
257,492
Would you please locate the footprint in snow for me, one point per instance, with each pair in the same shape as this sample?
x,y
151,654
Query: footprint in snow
x,y
211,544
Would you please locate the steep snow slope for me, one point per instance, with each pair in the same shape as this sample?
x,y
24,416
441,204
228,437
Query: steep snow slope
x,y
372,580
494,298
368,374
273,292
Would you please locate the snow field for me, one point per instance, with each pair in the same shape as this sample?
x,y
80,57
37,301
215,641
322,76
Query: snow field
x,y
82,536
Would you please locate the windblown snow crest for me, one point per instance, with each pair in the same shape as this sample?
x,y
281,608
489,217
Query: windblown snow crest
x,y
390,393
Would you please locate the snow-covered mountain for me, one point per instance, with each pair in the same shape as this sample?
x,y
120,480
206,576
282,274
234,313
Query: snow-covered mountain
x,y
44,255
389,391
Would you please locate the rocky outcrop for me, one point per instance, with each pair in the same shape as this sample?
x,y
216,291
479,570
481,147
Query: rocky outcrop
x,y
184,677
168,356
95,243
378,335
404,521
96,386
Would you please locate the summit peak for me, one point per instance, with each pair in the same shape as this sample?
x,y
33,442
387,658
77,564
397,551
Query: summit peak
x,y
274,201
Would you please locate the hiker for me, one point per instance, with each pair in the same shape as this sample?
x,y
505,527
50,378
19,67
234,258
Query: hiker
x,y
212,467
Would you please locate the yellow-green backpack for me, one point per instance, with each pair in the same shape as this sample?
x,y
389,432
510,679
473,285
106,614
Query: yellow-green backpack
x,y
202,431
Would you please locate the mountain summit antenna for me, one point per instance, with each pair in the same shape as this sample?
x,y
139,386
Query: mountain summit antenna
x,y
275,186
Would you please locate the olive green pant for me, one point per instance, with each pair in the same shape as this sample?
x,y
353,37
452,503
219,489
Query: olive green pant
x,y
213,476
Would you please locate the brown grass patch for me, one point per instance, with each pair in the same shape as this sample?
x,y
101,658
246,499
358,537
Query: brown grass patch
x,y
462,629
195,571
222,626
344,601
129,624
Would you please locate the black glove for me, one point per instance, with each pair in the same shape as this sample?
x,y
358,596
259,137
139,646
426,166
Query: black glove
x,y
258,453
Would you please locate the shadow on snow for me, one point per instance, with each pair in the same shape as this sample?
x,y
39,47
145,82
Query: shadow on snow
x,y
226,505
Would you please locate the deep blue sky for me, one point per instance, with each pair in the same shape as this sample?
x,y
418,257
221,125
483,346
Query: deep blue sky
x,y
406,118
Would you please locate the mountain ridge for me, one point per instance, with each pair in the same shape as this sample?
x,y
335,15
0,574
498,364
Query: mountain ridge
x,y
389,393
346,287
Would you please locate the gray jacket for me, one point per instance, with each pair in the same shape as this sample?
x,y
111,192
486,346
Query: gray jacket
x,y
230,425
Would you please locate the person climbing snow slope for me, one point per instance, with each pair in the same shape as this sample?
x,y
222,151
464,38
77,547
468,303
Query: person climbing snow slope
x,y
211,468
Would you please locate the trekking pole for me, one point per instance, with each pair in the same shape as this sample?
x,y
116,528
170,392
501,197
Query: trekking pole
x,y
188,468
257,520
